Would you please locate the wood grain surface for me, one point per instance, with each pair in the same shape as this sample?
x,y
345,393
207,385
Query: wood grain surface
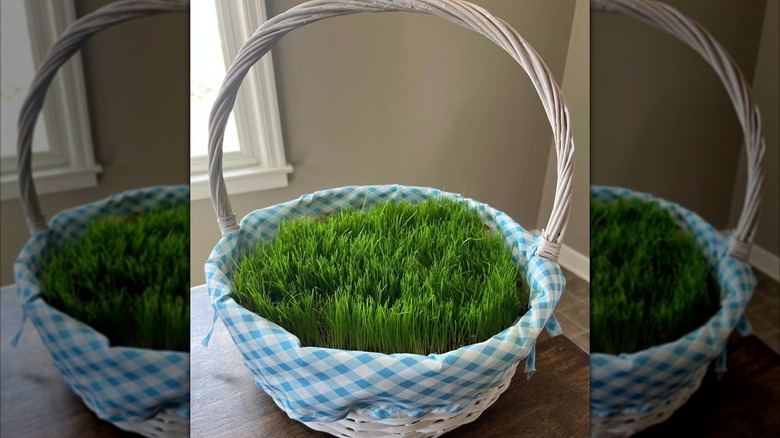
x,y
35,401
227,403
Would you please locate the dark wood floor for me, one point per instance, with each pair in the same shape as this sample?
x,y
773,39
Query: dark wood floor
x,y
573,311
764,310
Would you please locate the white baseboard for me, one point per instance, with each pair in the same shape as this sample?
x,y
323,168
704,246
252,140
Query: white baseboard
x,y
574,261
765,262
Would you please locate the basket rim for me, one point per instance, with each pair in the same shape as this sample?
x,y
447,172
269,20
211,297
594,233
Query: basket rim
x,y
526,317
435,356
643,380
68,224
371,381
623,192
39,301
56,223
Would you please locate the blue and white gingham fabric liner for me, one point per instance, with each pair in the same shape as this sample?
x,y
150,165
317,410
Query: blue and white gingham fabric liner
x,y
320,384
117,383
641,381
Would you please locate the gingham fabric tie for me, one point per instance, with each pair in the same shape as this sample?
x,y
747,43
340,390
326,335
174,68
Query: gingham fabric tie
x,y
743,327
530,362
720,363
15,340
207,338
554,327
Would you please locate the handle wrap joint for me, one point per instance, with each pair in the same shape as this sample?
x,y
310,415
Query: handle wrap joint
x,y
548,250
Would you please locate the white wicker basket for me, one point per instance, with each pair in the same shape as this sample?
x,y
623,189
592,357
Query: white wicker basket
x,y
359,422
628,421
429,426
169,422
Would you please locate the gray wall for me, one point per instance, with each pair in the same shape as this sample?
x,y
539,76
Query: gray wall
x,y
767,91
401,98
138,97
661,121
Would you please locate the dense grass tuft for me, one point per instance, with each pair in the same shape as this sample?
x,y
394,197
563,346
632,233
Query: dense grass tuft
x,y
650,283
395,278
128,278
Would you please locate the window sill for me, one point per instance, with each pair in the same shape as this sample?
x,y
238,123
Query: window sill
x,y
244,180
51,181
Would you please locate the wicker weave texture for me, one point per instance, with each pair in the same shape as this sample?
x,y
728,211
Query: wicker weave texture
x,y
629,422
166,424
432,425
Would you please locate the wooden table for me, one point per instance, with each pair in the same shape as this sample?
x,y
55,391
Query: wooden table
x,y
35,401
227,403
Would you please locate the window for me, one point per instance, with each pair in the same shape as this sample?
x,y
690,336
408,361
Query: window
x,y
253,149
63,158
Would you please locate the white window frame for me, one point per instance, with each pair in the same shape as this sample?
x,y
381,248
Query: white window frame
x,y
260,163
69,161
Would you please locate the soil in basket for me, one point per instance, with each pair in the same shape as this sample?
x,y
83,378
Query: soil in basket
x,y
393,278
128,278
650,283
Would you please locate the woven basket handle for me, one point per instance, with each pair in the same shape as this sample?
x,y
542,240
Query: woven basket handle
x,y
692,33
70,42
456,11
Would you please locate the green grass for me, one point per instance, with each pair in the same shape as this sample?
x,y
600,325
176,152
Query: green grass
x,y
650,283
395,278
128,278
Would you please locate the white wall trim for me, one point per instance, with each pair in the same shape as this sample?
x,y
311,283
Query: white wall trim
x,y
260,164
243,180
765,262
8,288
65,111
257,106
574,261
51,180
